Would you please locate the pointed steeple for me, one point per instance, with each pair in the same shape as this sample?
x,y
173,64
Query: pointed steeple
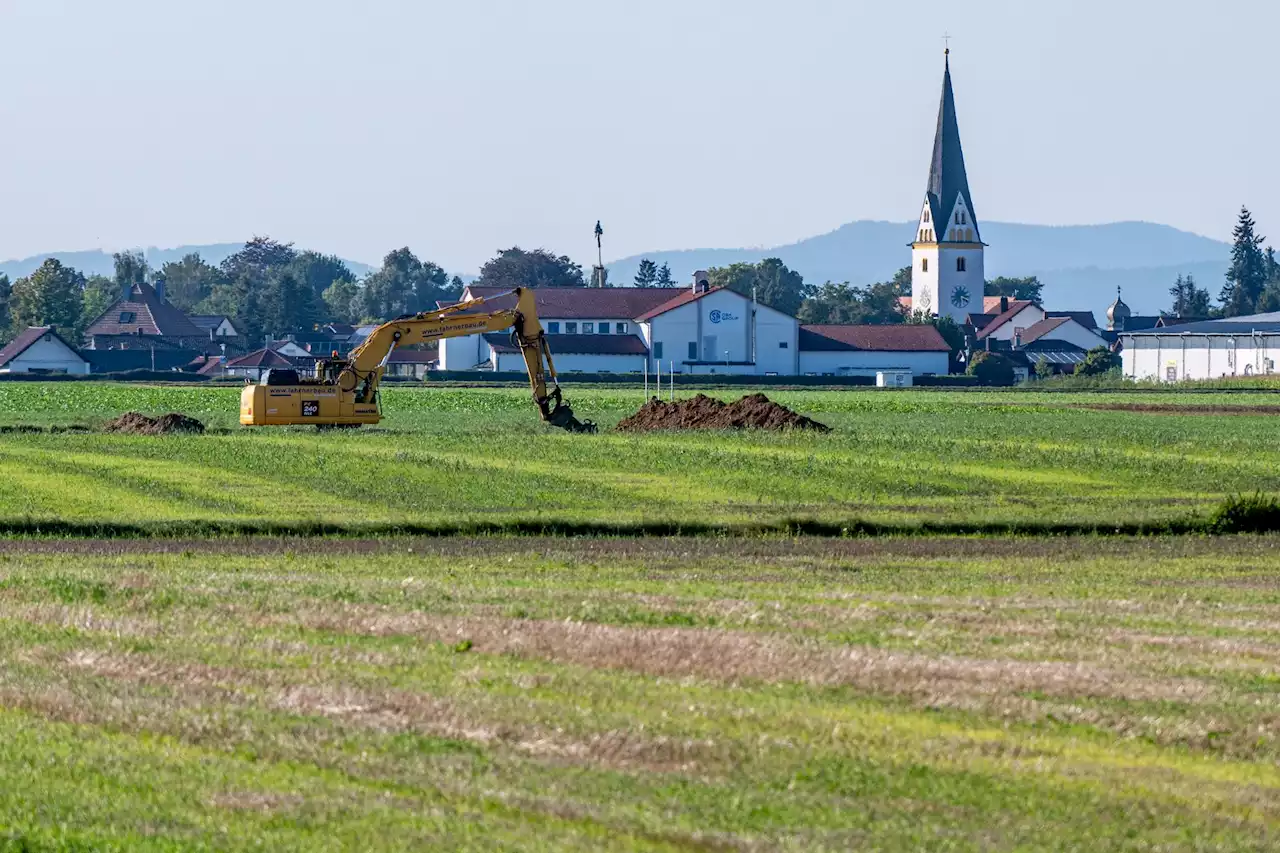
x,y
947,178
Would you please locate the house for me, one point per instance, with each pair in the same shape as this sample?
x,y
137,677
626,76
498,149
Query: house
x,y
1236,346
413,363
258,362
142,311
1013,318
1060,329
574,353
40,349
216,325
293,350
831,350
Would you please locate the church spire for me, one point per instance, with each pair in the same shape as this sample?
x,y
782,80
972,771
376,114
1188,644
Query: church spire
x,y
947,178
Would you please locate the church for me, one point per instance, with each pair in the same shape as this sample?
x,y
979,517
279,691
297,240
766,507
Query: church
x,y
947,271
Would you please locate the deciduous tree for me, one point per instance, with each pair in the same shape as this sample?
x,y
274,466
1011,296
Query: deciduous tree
x,y
99,293
769,281
53,295
1028,287
516,267
131,268
189,282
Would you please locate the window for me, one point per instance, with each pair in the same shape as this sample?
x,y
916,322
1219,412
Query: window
x,y
127,316
693,350
621,329
588,328
960,266
571,328
968,235
926,214
782,344
604,329
924,265
657,350
553,328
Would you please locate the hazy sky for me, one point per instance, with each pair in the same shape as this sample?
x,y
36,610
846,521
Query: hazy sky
x,y
460,127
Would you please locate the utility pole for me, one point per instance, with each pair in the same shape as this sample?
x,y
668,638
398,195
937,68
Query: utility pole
x,y
597,274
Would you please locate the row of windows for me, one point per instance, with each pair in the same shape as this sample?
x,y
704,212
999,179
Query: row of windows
x,y
926,235
693,350
588,328
955,235
961,218
960,265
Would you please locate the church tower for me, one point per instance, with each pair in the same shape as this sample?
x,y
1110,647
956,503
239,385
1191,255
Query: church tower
x,y
947,275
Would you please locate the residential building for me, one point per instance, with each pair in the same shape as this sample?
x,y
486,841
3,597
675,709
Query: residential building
x,y
216,325
258,362
142,311
40,349
831,350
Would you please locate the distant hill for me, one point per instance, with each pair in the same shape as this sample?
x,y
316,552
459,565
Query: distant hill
x,y
98,262
1081,265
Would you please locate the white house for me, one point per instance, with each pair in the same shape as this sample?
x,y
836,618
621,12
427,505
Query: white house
x,y
1062,329
40,349
830,350
216,325
1016,316
1237,346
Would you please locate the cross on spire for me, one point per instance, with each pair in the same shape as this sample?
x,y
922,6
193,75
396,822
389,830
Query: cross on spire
x,y
946,42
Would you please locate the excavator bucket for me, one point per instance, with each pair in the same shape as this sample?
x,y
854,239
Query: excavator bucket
x,y
559,413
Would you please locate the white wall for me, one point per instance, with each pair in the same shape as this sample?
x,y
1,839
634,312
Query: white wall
x,y
1198,356
867,363
48,353
571,362
1024,319
463,353
1073,333
725,316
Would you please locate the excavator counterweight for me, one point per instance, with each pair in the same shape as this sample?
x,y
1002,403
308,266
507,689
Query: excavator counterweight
x,y
344,392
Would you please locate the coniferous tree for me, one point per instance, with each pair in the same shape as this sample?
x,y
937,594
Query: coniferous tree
x,y
1247,275
647,274
6,293
664,278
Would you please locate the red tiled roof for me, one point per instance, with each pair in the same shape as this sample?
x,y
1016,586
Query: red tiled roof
x,y
261,358
671,304
899,337
144,312
1036,331
1016,307
25,340
583,303
579,344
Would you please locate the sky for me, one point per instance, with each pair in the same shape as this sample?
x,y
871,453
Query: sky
x,y
458,128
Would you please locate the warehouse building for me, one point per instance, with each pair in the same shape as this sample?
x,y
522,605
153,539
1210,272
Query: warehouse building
x,y
1237,346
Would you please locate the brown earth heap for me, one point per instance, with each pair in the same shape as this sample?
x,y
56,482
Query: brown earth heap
x,y
755,411
134,423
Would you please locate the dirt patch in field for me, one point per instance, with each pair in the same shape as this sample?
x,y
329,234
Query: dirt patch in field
x,y
755,411
1177,409
135,423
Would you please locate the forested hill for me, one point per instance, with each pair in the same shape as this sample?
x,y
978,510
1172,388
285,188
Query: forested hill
x,y
1081,265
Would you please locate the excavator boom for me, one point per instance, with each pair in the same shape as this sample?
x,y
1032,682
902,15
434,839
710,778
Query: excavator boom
x,y
344,392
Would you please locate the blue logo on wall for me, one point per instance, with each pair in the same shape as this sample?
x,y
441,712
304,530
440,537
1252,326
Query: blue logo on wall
x,y
722,317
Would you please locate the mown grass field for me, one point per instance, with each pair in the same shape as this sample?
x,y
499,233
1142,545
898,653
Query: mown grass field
x,y
459,456
697,694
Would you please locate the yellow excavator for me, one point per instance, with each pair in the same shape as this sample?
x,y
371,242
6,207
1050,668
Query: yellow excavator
x,y
343,392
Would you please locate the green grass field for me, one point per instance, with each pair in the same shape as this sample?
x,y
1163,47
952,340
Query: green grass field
x,y
547,694
188,691
447,457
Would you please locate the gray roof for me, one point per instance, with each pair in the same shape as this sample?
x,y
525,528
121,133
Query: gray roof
x,y
1269,323
947,177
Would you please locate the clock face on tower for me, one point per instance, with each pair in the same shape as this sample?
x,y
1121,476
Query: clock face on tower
x,y
960,297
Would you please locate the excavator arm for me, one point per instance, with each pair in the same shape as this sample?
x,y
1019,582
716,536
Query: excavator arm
x,y
363,370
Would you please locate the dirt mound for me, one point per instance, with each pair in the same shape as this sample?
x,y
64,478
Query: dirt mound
x,y
755,411
134,423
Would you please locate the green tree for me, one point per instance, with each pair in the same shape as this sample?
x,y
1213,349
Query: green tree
x,y
340,301
664,278
647,274
950,331
319,271
131,269
6,294
53,295
1044,369
875,304
991,368
770,281
404,285
99,293
285,304
1030,288
516,267
190,281
258,257
1247,275
1188,299
1097,361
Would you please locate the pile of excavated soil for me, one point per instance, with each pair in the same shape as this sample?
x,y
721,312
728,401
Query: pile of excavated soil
x,y
133,423
755,411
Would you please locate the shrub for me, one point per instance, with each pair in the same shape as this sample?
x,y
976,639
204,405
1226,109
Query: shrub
x,y
1256,513
1098,362
991,368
